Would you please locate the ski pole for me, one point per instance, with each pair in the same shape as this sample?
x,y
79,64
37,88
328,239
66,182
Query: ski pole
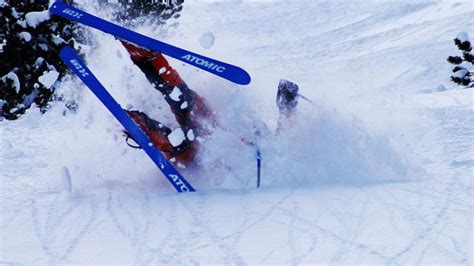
x,y
310,101
259,166
218,68
305,98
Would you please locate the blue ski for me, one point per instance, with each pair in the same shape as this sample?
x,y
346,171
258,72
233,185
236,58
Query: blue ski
x,y
221,69
68,55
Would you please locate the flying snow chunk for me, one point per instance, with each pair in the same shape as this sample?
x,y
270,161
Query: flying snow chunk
x,y
207,40
33,19
175,94
13,77
26,36
184,105
176,137
191,135
440,88
49,78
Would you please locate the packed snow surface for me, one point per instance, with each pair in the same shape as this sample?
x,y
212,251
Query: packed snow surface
x,y
378,170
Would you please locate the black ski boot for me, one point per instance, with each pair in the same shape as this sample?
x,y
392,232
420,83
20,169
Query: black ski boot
x,y
287,96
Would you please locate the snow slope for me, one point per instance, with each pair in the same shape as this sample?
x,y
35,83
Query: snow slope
x,y
378,170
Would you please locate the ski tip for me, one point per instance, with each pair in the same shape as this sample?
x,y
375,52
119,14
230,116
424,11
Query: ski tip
x,y
245,79
239,76
55,5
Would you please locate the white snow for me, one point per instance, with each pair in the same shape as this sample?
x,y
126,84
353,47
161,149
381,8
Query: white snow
x,y
67,180
175,94
162,70
376,172
2,44
49,78
13,77
463,36
22,23
58,40
184,105
207,40
39,61
176,137
25,36
33,19
440,88
190,135
43,46
460,73
15,13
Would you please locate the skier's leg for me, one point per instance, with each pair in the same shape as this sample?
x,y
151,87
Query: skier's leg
x,y
191,111
183,151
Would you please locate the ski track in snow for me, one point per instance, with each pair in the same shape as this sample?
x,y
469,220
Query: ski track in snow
x,y
117,213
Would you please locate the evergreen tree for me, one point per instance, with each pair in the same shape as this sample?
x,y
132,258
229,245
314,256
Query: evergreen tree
x,y
463,70
134,12
30,40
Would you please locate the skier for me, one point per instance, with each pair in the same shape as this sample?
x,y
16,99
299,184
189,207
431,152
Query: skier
x,y
192,112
